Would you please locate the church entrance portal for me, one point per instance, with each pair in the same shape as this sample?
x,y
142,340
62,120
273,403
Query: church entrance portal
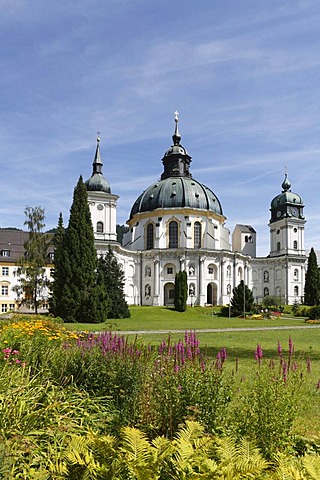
x,y
212,294
168,294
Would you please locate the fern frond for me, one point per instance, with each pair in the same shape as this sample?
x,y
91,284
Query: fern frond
x,y
135,445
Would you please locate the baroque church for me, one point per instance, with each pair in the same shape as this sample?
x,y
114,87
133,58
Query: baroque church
x,y
177,223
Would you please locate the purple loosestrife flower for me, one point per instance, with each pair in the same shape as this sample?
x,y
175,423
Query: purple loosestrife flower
x,y
285,371
309,365
258,354
279,349
291,347
294,366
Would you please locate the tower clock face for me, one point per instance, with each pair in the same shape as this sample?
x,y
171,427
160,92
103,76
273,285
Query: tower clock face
x,y
294,211
279,213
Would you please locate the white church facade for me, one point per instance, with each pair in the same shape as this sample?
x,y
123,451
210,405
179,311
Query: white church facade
x,y
177,223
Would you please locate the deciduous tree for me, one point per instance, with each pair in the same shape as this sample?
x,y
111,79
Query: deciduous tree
x,y
32,283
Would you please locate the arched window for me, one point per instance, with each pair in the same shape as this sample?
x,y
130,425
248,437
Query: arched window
x,y
295,245
150,236
296,291
278,246
99,227
197,234
246,238
266,292
173,234
296,274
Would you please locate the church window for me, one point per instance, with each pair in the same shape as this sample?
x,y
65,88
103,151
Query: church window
x,y
295,230
296,274
210,270
278,246
240,273
266,292
246,238
99,227
295,245
278,231
169,270
150,236
296,291
197,235
228,271
173,234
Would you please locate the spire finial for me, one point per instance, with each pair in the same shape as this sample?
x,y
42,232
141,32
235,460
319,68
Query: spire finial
x,y
176,137
98,136
286,185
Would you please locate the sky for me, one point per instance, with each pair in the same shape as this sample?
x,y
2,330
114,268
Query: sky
x,y
243,75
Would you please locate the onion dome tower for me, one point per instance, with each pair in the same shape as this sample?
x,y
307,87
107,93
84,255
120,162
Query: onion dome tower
x,y
102,203
177,211
176,188
287,222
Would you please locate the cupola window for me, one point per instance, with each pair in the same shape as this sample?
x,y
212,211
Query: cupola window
x,y
173,234
150,236
197,235
295,245
278,246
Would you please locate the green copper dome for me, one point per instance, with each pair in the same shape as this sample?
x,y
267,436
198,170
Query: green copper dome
x,y
176,188
97,182
286,197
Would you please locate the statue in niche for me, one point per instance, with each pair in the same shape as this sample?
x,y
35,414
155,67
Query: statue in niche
x,y
191,289
228,289
191,270
266,276
147,291
148,272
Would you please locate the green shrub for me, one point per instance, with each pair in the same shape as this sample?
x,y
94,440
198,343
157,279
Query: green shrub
x,y
314,313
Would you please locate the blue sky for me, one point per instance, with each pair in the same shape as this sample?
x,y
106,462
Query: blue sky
x,y
244,76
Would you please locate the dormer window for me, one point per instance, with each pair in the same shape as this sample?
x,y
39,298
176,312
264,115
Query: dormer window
x,y
5,253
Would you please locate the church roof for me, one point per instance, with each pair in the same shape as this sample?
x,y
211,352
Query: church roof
x,y
176,188
286,196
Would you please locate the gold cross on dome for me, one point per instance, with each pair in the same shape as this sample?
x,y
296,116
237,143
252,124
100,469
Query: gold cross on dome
x,y
176,117
98,133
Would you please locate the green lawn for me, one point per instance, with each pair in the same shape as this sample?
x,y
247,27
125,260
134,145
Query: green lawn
x,y
164,318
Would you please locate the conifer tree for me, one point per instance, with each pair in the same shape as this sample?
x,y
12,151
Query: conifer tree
x,y
57,286
111,278
242,300
79,299
180,291
32,283
312,281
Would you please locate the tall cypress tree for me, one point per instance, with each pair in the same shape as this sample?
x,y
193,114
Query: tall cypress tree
x,y
79,299
180,291
58,283
312,281
110,278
